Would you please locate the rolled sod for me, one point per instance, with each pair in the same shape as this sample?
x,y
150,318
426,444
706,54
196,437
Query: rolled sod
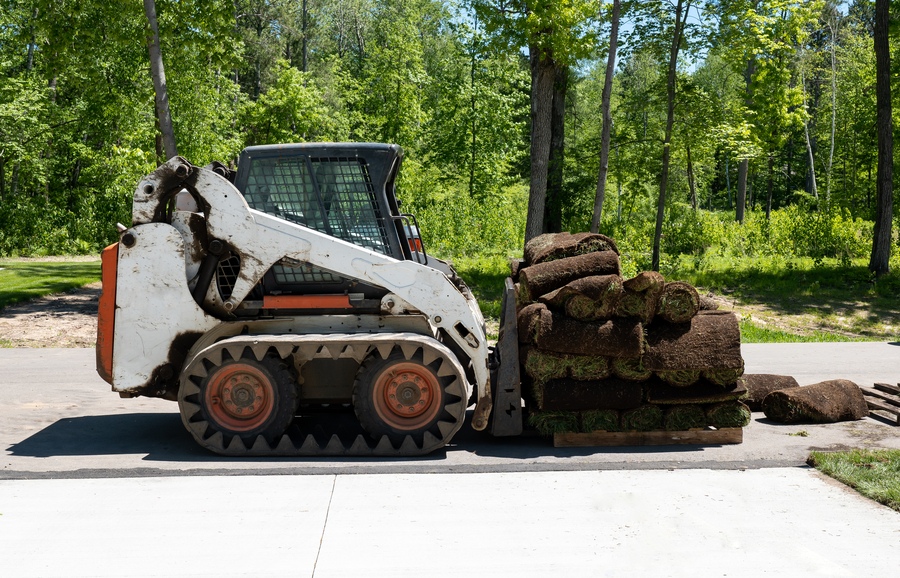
x,y
591,298
542,366
762,384
550,422
528,320
662,393
613,338
514,266
600,420
630,368
684,417
706,341
554,246
540,279
644,418
571,395
678,303
728,414
640,296
680,378
723,377
708,303
825,402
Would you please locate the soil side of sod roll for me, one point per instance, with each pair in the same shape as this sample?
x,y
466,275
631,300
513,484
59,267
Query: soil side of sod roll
x,y
728,414
762,384
540,279
528,320
571,395
678,303
553,246
702,392
825,402
614,338
708,303
706,341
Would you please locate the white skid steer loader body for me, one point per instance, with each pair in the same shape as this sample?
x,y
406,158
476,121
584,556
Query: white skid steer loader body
x,y
154,305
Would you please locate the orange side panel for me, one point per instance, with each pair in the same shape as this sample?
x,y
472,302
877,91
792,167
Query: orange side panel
x,y
306,302
106,314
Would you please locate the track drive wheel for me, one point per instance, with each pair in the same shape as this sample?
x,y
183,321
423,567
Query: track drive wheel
x,y
398,397
248,398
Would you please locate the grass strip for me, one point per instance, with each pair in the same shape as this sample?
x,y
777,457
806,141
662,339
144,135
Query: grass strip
x,y
600,420
23,281
550,422
873,473
684,417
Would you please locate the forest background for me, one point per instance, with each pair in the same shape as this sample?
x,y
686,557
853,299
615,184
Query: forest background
x,y
758,116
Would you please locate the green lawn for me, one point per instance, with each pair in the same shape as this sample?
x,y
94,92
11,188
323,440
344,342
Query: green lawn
x,y
874,474
24,280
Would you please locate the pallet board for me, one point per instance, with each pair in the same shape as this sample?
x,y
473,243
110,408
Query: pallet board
x,y
731,435
883,397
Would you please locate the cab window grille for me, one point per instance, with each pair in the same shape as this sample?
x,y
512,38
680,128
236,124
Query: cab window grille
x,y
226,275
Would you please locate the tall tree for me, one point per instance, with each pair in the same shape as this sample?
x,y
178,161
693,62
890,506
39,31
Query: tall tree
x,y
607,119
681,14
879,263
158,73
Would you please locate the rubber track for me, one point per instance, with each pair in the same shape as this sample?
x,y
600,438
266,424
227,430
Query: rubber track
x,y
304,348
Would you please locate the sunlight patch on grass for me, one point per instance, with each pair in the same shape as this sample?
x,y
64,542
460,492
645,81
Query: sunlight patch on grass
x,y
23,281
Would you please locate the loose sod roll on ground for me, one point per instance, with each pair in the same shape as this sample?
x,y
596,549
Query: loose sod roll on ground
x,y
824,402
762,384
591,298
542,366
644,418
702,392
540,279
572,395
684,417
728,414
553,246
678,303
640,296
613,338
705,342
708,304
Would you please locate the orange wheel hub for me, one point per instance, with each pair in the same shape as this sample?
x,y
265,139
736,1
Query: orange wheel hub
x,y
240,397
407,396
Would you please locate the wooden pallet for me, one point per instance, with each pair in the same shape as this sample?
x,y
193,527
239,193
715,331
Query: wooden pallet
x,y
706,436
883,397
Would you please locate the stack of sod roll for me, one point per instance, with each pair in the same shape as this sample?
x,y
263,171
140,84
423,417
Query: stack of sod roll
x,y
603,353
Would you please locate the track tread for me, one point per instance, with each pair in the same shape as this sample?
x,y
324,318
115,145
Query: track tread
x,y
305,348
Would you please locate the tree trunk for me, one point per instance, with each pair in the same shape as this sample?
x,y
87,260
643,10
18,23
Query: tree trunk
x,y
159,81
304,36
29,59
474,110
690,176
833,114
543,72
555,200
607,120
769,184
811,175
670,120
879,263
741,200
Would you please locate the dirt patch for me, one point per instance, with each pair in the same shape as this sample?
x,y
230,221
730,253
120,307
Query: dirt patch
x,y
59,320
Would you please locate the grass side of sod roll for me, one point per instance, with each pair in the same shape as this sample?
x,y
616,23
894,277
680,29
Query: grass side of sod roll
x,y
873,473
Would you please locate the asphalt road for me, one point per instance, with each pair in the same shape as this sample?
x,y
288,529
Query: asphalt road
x,y
60,420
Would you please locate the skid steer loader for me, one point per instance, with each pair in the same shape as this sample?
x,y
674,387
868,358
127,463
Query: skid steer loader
x,y
290,309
